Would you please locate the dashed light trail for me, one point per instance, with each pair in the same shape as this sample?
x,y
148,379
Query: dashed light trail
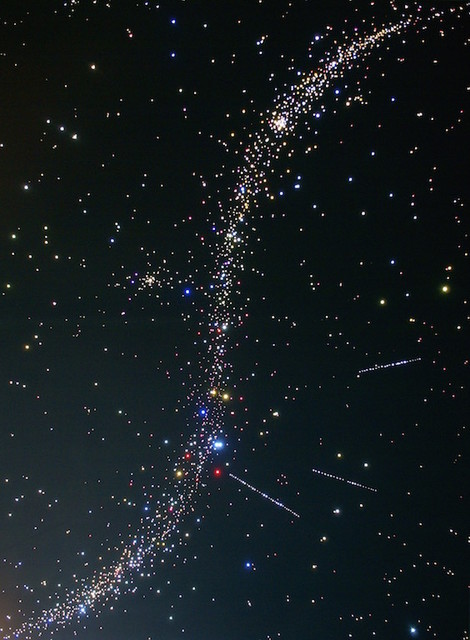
x,y
264,495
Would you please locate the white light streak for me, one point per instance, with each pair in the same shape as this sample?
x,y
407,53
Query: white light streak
x,y
351,482
264,495
388,365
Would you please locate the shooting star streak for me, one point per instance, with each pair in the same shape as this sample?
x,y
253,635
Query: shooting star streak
x,y
264,495
377,367
352,482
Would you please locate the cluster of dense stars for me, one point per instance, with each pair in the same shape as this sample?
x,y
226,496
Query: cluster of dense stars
x,y
186,332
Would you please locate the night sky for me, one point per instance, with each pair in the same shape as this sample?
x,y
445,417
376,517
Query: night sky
x,y
234,320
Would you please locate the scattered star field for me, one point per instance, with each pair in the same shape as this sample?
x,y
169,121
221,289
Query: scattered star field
x,y
234,320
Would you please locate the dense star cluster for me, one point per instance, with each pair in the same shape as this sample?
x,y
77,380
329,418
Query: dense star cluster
x,y
234,310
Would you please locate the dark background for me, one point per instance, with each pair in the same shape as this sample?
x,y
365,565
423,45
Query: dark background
x,y
94,372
